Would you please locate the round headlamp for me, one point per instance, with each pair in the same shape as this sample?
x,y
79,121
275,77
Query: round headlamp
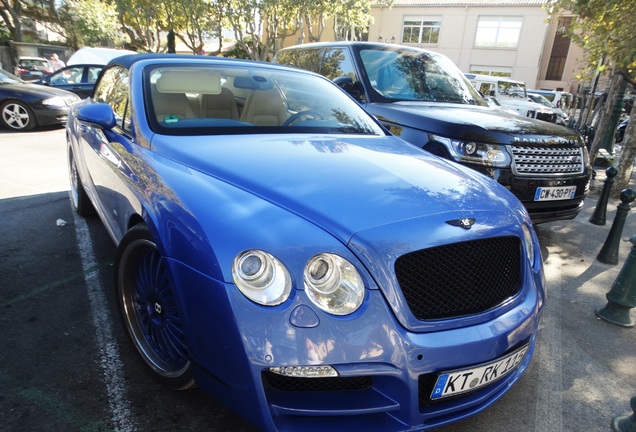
x,y
261,277
333,284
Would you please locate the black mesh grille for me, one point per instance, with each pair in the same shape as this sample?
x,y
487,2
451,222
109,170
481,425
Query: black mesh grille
x,y
296,384
460,278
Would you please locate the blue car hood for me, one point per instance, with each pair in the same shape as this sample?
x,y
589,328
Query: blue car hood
x,y
342,184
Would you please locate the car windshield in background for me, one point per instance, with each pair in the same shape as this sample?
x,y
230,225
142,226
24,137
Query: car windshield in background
x,y
511,90
416,76
192,100
7,78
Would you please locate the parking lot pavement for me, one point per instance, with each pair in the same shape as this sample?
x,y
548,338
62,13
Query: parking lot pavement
x,y
57,371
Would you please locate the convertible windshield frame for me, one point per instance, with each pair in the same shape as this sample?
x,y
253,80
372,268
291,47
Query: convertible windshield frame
x,y
221,99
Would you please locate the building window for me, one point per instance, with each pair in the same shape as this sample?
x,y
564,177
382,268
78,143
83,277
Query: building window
x,y
491,70
560,50
421,30
498,31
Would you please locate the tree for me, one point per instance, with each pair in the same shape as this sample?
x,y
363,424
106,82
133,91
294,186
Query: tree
x,y
604,28
11,13
257,24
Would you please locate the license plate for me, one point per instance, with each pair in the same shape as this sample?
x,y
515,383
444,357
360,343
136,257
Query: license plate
x,y
462,381
554,193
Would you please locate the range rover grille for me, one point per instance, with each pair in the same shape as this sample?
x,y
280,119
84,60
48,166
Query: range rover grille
x,y
461,278
547,160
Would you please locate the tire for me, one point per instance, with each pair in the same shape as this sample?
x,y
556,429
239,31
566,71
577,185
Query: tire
x,y
81,203
17,116
148,307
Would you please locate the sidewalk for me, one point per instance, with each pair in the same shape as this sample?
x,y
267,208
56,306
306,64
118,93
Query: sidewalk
x,y
594,361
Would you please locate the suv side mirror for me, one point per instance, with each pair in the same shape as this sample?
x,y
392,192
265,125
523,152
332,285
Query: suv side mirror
x,y
354,88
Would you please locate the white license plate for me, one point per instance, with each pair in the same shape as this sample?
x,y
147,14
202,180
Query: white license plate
x,y
554,193
462,381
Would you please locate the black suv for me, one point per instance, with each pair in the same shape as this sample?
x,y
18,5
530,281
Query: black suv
x,y
422,97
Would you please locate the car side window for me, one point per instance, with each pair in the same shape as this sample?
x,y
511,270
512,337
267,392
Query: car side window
x,y
338,67
308,59
93,74
337,63
113,90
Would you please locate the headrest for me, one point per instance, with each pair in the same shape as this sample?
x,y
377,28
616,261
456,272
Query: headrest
x,y
255,82
189,81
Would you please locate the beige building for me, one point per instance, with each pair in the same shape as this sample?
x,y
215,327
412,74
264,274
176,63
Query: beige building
x,y
514,38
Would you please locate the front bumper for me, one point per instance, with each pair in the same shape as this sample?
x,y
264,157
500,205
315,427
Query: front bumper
x,y
524,188
51,116
385,371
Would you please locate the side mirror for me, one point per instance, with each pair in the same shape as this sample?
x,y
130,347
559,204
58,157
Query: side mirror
x,y
99,115
354,88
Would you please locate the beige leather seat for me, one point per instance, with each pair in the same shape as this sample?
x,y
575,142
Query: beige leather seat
x,y
265,108
172,104
222,105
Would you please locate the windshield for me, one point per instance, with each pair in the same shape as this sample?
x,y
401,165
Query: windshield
x,y
405,75
7,78
540,99
220,99
512,90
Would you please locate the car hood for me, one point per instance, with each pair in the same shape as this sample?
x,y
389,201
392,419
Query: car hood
x,y
343,185
35,90
466,122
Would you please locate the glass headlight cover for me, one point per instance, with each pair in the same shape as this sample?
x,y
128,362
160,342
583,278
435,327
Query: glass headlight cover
x,y
55,101
261,277
474,152
333,284
528,244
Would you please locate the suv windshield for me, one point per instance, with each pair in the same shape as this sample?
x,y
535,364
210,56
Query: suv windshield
x,y
404,75
512,90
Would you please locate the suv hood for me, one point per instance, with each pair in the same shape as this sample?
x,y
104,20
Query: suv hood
x,y
466,122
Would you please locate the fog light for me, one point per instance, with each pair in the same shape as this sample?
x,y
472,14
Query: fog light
x,y
321,371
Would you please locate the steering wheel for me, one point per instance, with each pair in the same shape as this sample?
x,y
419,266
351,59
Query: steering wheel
x,y
294,118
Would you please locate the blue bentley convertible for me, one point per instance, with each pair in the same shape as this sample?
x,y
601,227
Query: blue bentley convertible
x,y
279,249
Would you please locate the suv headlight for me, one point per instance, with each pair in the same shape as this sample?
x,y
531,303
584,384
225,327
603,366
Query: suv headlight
x,y
478,153
333,284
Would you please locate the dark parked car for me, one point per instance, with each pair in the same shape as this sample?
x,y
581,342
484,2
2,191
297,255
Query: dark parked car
x,y
24,106
79,79
620,130
280,249
422,97
32,68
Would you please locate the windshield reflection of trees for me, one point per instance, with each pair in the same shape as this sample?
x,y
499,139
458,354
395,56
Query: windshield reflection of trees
x,y
426,81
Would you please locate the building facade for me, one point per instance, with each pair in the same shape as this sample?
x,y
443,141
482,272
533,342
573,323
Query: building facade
x,y
514,38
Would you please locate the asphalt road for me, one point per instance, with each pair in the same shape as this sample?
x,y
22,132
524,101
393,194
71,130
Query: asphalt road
x,y
66,364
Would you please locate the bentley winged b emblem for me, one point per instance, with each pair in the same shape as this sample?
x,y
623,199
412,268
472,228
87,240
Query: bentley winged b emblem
x,y
465,223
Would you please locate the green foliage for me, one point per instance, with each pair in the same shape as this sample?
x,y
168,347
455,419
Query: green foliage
x,y
605,29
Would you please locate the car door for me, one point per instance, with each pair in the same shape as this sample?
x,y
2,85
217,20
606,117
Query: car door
x,y
102,151
77,79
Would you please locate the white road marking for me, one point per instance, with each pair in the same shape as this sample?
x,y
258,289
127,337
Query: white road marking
x,y
112,367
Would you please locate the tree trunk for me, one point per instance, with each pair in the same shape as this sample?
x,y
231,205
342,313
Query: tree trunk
x,y
626,161
606,116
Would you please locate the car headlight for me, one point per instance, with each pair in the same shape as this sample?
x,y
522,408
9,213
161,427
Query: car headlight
x,y
55,102
528,244
333,284
477,153
261,277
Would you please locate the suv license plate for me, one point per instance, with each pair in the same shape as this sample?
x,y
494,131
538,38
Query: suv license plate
x,y
554,193
462,381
